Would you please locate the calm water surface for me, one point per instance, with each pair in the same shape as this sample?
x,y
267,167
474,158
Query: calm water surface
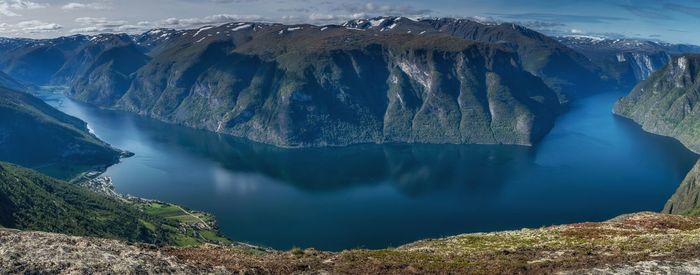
x,y
591,167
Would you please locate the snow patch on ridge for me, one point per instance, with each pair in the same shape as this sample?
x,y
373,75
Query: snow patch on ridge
x,y
377,23
202,29
241,27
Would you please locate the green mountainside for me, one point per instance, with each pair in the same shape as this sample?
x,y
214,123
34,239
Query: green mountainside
x,y
36,135
32,201
667,102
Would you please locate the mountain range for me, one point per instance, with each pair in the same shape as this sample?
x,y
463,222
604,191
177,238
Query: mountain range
x,y
304,85
626,61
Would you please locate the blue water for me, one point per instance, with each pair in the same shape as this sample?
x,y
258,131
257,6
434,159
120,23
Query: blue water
x,y
591,167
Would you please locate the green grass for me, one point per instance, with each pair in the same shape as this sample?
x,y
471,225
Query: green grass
x,y
694,212
148,225
162,210
171,212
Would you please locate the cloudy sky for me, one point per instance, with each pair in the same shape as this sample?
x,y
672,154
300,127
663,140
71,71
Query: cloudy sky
x,y
673,21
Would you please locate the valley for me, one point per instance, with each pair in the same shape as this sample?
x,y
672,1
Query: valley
x,y
254,189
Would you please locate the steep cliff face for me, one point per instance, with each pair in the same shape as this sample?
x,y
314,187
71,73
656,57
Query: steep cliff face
x,y
34,134
686,200
319,86
667,102
105,79
626,61
642,65
566,71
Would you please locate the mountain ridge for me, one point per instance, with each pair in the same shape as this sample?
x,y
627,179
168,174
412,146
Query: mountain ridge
x,y
626,61
305,85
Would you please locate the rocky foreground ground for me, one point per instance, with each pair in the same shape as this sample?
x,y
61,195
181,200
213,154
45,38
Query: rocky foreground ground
x,y
643,242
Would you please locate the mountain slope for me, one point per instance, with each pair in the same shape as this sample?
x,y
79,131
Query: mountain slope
x,y
317,86
686,200
667,102
8,82
563,69
56,61
34,134
31,201
108,76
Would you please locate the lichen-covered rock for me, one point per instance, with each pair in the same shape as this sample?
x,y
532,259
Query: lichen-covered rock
x,y
47,253
642,242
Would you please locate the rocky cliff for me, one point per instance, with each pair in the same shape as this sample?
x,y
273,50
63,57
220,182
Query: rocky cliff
x,y
566,71
667,102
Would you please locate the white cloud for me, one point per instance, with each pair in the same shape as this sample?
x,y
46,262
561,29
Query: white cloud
x,y
324,17
36,26
25,4
9,7
100,21
208,20
346,12
102,24
379,9
90,6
